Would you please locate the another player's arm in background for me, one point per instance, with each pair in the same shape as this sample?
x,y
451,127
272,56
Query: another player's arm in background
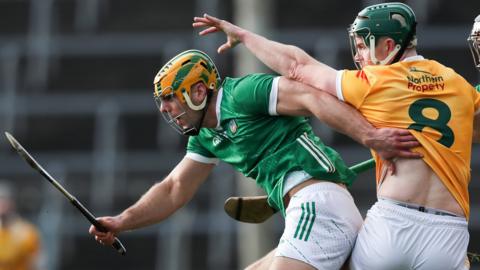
x,y
476,122
287,60
476,128
160,201
295,98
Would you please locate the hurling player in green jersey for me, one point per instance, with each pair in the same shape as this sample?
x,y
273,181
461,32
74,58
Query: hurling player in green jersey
x,y
257,124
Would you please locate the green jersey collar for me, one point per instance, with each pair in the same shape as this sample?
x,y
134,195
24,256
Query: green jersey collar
x,y
217,107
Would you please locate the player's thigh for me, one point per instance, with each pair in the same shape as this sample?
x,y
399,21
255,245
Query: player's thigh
x,y
264,263
447,249
284,263
394,237
321,225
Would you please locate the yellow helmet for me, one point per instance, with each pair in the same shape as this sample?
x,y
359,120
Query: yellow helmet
x,y
184,70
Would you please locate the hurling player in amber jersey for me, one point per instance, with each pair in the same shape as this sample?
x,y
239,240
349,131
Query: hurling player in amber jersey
x,y
420,218
19,239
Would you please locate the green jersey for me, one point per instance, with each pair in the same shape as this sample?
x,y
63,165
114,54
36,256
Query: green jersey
x,y
259,143
478,88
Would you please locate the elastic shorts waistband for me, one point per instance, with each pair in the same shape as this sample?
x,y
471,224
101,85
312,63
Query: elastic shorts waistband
x,y
420,208
293,179
323,186
417,216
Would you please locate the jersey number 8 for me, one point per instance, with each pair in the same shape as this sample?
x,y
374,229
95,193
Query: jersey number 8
x,y
440,124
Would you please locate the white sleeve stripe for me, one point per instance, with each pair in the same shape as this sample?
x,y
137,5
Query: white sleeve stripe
x,y
272,102
201,159
218,105
338,85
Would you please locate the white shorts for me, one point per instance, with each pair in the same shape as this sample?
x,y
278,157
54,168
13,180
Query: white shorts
x,y
321,225
395,237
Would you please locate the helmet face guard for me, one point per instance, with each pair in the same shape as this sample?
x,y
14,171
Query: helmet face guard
x,y
174,81
371,47
394,20
172,120
474,42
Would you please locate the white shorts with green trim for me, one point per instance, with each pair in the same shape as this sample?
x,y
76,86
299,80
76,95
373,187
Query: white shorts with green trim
x,y
396,237
321,225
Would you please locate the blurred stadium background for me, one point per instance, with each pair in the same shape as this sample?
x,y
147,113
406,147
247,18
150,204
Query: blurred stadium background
x,y
76,90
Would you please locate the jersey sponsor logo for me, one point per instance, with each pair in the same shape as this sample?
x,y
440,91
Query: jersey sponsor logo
x,y
426,82
362,76
217,140
307,219
219,137
414,69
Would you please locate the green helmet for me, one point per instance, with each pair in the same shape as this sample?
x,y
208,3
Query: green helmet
x,y
393,20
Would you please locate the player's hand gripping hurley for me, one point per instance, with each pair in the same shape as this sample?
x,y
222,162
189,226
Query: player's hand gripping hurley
x,y
35,165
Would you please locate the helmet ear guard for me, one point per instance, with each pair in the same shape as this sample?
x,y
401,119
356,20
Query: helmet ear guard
x,y
393,20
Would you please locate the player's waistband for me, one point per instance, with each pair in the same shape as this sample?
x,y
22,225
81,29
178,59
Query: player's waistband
x,y
293,179
420,208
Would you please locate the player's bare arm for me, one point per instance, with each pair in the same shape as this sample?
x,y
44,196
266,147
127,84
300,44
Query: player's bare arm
x,y
287,60
159,202
295,98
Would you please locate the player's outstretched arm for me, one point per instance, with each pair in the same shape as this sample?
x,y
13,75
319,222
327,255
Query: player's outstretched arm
x,y
295,98
289,61
159,202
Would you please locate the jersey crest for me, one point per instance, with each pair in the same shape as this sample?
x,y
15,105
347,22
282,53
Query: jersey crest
x,y
232,126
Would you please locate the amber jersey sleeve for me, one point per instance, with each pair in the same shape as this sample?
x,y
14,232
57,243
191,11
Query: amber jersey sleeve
x,y
432,101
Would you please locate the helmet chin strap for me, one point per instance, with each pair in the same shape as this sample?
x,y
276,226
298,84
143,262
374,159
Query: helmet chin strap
x,y
389,56
397,52
204,105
